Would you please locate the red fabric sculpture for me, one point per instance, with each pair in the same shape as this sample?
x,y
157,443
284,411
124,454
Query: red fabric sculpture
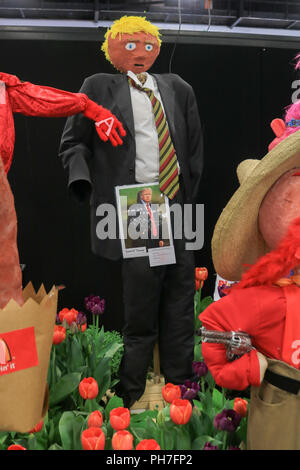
x,y
34,100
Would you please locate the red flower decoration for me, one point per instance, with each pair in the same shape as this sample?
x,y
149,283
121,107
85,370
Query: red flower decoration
x,y
88,388
240,406
95,419
119,418
93,439
180,411
122,440
59,334
171,392
148,444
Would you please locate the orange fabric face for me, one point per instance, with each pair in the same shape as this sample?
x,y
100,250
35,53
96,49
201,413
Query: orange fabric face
x,y
280,207
135,52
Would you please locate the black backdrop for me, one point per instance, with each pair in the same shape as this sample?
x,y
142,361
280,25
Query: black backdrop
x,y
239,91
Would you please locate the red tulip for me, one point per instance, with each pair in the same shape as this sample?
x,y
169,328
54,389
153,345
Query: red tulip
x,y
240,406
95,419
180,411
148,444
88,388
93,439
171,392
68,315
59,334
82,328
197,284
119,418
16,447
122,440
37,428
201,274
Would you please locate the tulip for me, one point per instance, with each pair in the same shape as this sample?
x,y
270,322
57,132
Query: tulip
x,y
95,420
201,274
16,447
69,316
227,420
93,439
37,428
240,406
81,322
59,334
119,418
209,446
197,284
180,411
200,368
88,388
148,444
189,390
122,440
171,392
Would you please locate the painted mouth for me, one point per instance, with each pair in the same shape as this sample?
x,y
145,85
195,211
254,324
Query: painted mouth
x,y
139,65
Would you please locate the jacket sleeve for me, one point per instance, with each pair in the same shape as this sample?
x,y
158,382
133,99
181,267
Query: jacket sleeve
x,y
195,142
75,151
238,313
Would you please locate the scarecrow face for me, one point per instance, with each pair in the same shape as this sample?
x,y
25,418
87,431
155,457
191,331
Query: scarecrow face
x,y
135,52
280,207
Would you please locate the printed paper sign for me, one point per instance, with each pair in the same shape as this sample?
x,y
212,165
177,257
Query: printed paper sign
x,y
17,350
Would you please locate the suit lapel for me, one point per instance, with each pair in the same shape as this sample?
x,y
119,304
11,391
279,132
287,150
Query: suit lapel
x,y
121,95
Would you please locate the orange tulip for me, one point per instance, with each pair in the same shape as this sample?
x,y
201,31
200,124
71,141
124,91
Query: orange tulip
x,y
201,274
119,418
171,392
88,388
122,440
148,444
95,419
68,315
59,334
16,447
180,411
240,406
37,428
93,439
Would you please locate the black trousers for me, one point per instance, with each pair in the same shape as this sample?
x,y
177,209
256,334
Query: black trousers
x,y
158,305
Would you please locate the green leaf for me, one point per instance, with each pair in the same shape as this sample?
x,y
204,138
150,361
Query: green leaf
x,y
111,349
169,439
218,400
183,441
55,447
64,387
200,441
114,402
76,359
102,375
70,429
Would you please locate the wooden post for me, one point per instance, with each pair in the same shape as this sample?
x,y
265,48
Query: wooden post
x,y
156,364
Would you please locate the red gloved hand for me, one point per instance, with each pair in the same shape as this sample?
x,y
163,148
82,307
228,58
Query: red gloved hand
x,y
107,125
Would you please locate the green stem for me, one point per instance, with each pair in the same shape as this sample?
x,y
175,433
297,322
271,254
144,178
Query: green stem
x,y
225,440
97,322
53,366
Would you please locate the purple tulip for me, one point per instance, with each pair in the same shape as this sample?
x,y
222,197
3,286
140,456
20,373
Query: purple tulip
x,y
227,420
209,446
94,304
189,390
81,319
200,368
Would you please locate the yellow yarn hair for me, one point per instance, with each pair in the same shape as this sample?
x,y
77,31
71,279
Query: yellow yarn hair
x,y
129,25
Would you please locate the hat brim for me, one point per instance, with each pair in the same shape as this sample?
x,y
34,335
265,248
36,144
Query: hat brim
x,y
237,240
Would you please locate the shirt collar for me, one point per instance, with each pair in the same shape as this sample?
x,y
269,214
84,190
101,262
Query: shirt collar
x,y
149,83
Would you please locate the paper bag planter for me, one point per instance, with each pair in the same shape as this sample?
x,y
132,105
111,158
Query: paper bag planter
x,y
26,336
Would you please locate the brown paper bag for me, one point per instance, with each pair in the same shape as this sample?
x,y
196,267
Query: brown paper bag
x,y
26,336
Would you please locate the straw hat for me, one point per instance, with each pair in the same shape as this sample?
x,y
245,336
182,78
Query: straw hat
x,y
236,240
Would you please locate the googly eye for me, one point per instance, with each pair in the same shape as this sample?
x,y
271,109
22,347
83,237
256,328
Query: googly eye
x,y
130,46
148,47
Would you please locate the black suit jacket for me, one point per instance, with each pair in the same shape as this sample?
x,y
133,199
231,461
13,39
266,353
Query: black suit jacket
x,y
98,167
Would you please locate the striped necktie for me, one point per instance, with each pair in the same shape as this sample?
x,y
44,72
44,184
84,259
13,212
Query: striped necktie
x,y
168,168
